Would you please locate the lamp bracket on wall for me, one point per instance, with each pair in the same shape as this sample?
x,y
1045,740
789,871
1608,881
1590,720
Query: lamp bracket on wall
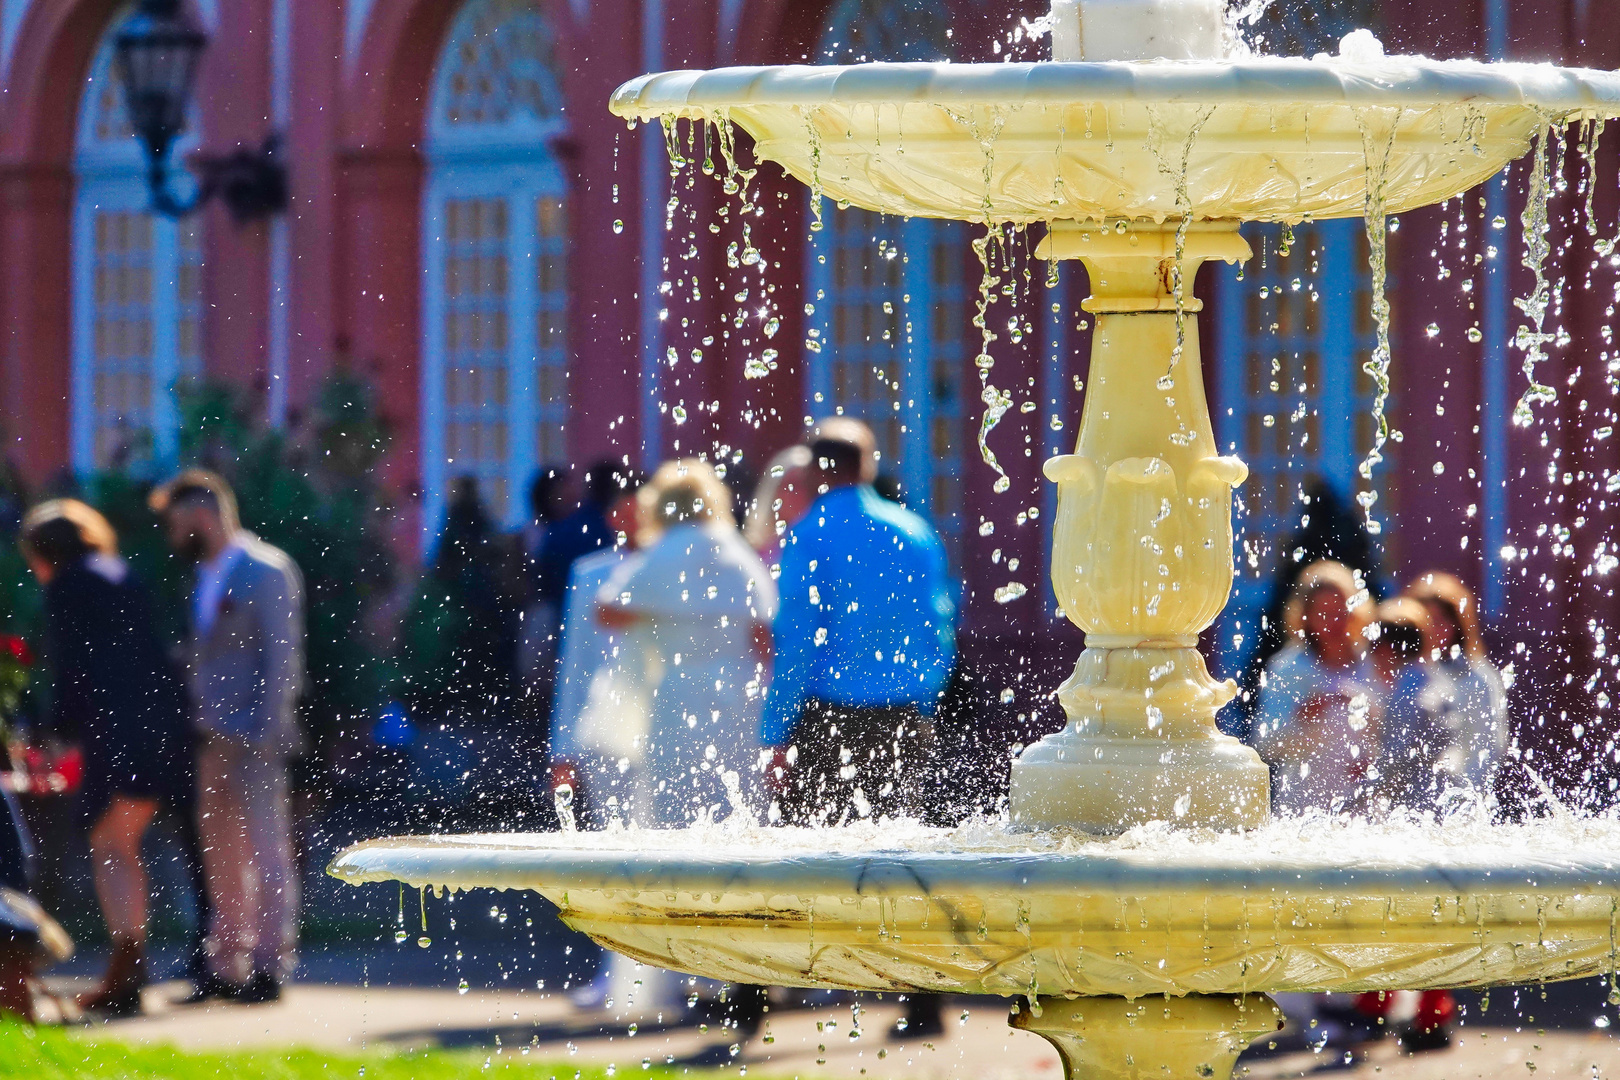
x,y
251,181
156,52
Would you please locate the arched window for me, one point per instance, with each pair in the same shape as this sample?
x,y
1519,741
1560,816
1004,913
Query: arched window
x,y
889,295
495,244
137,292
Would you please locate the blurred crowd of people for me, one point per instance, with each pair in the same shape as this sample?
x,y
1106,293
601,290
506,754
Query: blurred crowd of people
x,y
671,651
789,671
204,736
1373,707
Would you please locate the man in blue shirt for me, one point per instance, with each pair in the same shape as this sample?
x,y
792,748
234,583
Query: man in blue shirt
x,y
865,641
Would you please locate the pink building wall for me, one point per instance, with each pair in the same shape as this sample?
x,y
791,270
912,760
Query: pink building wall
x,y
354,143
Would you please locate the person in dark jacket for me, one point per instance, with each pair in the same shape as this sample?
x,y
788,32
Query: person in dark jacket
x,y
119,697
580,533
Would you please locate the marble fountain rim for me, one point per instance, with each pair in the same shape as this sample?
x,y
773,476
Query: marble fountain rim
x,y
1397,81
538,861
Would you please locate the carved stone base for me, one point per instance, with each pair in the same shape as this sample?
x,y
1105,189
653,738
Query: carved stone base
x,y
1198,1037
1141,746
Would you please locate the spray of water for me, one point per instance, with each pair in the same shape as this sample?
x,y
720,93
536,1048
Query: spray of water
x,y
1378,128
1175,170
1532,338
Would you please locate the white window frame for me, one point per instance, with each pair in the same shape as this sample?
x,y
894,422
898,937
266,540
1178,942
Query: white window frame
x,y
1333,399
512,161
111,177
915,238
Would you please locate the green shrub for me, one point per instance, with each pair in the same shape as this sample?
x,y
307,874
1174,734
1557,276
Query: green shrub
x,y
313,492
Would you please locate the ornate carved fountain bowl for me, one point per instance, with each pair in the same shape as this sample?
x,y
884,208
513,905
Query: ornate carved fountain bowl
x,y
1319,905
1277,139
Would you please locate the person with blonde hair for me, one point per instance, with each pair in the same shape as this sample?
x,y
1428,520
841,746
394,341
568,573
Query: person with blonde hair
x,y
1467,696
118,696
701,602
1316,695
696,603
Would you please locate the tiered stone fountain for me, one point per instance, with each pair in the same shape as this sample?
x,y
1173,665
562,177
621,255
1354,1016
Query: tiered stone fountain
x,y
1141,149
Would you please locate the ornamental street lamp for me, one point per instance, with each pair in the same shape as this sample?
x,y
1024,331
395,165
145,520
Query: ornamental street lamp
x,y
156,53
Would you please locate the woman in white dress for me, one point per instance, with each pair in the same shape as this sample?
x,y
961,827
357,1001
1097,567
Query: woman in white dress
x,y
700,600
1316,696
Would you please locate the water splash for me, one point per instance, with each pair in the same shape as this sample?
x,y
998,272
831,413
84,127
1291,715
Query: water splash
x,y
738,181
996,401
1591,133
677,162
1532,338
1378,128
563,798
1176,173
1011,591
814,137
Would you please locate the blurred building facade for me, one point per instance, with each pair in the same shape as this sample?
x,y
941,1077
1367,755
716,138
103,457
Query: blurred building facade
x,y
472,232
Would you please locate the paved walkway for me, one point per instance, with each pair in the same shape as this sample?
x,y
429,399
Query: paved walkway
x,y
821,1042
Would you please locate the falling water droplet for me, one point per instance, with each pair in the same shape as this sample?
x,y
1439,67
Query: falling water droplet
x,y
618,226
1010,592
564,800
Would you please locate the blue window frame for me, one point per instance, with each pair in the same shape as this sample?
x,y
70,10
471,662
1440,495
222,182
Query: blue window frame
x,y
1293,335
495,245
137,294
886,340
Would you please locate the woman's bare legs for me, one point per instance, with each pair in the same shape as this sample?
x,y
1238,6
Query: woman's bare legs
x,y
115,847
115,850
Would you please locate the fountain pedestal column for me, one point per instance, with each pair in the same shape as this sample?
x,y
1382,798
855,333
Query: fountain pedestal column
x,y
1197,1037
1142,556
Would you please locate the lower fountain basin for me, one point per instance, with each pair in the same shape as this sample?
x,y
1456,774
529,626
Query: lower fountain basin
x,y
1311,905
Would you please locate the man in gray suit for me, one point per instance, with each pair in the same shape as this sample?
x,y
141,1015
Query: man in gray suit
x,y
246,665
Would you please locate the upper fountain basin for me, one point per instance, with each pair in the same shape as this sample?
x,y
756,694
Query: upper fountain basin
x,y
1270,139
1325,905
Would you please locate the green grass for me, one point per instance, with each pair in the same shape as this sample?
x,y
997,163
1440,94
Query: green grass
x,y
54,1054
